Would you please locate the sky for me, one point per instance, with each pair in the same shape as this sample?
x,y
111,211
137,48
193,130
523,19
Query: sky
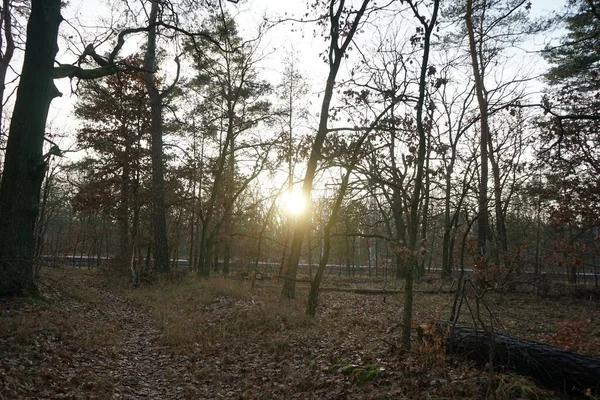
x,y
283,39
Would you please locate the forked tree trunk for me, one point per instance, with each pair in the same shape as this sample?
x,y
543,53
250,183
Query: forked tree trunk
x,y
315,284
24,165
313,295
336,55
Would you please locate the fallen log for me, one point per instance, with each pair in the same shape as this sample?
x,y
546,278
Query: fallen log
x,y
549,366
359,290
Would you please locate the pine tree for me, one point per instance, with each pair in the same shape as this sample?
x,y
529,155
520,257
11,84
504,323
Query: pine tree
x,y
115,128
570,130
576,61
233,101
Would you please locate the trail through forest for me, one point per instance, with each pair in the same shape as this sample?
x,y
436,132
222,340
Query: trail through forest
x,y
103,346
190,339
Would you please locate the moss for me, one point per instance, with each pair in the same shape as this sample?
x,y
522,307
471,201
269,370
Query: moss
x,y
360,374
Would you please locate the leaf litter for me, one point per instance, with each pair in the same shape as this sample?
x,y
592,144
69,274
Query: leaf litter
x,y
90,340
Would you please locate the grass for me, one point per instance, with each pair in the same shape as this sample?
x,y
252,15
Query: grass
x,y
261,345
227,316
193,312
512,386
360,374
99,387
50,317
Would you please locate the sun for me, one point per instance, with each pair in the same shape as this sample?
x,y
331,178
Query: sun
x,y
293,202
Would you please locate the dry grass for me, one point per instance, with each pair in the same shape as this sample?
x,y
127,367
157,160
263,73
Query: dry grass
x,y
50,316
241,343
511,386
350,338
192,312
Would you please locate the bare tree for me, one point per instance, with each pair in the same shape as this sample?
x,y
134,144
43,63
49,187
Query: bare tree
x,y
343,24
428,26
482,217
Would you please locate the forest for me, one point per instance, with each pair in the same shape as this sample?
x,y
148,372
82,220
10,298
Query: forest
x,y
412,186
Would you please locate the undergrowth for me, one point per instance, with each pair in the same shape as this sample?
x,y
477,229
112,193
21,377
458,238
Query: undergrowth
x,y
256,342
48,316
196,312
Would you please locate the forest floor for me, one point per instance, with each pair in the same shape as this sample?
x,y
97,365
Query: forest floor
x,y
185,338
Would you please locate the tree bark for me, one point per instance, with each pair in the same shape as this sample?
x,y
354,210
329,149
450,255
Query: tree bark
x,y
6,58
425,211
482,219
124,209
202,264
159,223
313,295
500,220
24,165
230,189
548,365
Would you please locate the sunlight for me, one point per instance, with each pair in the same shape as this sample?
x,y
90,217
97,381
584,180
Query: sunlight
x,y
293,202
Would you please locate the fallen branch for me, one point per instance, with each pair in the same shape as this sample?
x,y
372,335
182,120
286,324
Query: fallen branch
x,y
549,366
359,290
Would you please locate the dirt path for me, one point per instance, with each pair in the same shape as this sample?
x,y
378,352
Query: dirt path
x,y
88,342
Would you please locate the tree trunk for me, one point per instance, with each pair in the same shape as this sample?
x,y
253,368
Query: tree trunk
x,y
397,207
202,265
159,223
5,58
500,220
230,190
548,365
42,220
425,211
123,219
413,220
482,219
203,262
336,55
303,221
261,236
313,295
24,165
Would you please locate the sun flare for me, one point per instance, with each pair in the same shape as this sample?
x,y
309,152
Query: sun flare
x,y
293,203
